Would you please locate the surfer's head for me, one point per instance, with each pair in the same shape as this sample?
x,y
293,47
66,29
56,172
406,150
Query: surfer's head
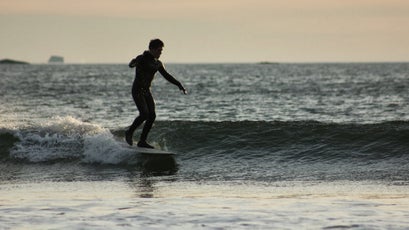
x,y
156,47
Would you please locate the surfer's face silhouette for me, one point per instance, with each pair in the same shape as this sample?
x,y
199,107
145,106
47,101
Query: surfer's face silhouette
x,y
156,52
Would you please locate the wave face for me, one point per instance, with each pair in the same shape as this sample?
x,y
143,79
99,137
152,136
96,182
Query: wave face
x,y
292,150
253,150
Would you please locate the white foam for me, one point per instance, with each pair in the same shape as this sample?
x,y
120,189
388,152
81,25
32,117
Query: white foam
x,y
104,149
69,138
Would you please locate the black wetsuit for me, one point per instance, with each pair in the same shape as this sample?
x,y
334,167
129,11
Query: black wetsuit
x,y
145,68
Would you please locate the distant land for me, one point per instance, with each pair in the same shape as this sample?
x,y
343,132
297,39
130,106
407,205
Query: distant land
x,y
56,60
268,63
10,61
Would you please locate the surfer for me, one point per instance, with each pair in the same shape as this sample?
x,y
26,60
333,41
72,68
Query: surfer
x,y
146,65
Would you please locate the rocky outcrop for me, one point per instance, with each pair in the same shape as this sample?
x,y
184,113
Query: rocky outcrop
x,y
56,60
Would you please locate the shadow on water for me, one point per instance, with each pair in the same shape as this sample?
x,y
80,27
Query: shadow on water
x,y
158,165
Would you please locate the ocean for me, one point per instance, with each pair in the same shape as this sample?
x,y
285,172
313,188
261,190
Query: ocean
x,y
259,146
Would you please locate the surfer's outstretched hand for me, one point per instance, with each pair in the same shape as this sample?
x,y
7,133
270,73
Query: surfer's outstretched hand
x,y
184,91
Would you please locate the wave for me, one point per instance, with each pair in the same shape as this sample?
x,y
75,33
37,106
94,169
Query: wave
x,y
62,139
305,139
69,139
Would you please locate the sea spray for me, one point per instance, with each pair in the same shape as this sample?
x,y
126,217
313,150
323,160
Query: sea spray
x,y
60,138
102,148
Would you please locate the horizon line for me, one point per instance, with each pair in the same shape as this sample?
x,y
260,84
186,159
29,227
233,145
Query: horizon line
x,y
226,62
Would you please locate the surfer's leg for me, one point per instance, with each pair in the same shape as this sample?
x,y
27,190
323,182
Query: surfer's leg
x,y
142,106
150,118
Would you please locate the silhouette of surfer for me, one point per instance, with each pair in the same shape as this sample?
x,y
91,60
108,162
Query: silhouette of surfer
x,y
146,65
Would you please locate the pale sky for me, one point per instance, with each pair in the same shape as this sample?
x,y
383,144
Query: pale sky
x,y
206,31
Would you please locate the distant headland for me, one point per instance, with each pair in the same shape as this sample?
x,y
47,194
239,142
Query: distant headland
x,y
268,63
13,62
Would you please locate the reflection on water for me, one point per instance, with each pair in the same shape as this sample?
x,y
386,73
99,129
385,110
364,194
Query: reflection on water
x,y
150,171
158,165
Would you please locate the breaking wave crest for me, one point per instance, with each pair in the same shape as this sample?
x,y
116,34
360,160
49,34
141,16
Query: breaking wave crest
x,y
69,139
63,139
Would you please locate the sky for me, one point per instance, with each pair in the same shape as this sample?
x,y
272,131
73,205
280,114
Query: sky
x,y
210,31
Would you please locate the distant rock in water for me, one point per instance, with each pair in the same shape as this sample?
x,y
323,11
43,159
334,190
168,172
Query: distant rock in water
x,y
56,60
9,61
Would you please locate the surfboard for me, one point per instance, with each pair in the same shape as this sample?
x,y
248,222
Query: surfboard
x,y
153,152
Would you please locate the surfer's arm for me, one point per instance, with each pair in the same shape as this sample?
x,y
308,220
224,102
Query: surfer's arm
x,y
132,64
171,79
135,62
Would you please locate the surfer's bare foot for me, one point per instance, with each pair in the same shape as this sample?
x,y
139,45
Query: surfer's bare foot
x,y
143,144
128,137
